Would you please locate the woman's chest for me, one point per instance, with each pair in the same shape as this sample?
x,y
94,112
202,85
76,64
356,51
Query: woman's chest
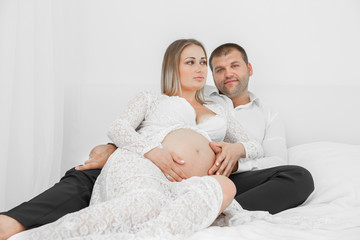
x,y
177,111
171,110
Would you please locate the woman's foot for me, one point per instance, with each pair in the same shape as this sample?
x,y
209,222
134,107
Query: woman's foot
x,y
9,227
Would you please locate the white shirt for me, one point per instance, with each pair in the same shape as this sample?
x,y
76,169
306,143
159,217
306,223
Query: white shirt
x,y
261,124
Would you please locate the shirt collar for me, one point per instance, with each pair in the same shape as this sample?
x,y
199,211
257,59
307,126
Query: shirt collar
x,y
212,90
253,100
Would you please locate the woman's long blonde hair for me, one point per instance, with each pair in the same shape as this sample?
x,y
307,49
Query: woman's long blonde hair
x,y
170,79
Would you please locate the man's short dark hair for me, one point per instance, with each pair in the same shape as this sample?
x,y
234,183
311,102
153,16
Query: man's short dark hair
x,y
225,49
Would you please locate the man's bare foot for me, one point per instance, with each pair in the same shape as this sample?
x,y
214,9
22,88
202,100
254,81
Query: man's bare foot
x,y
9,227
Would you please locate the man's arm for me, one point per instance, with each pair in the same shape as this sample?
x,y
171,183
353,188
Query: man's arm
x,y
98,157
274,146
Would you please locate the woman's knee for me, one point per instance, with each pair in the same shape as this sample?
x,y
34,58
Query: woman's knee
x,y
228,188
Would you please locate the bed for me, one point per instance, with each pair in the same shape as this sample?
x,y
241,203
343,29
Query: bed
x,y
323,136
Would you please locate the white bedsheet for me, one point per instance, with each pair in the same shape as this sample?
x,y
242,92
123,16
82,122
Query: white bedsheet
x,y
331,212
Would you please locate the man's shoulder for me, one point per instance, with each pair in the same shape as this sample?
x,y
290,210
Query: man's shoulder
x,y
259,102
270,112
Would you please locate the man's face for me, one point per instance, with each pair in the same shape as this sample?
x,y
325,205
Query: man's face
x,y
231,74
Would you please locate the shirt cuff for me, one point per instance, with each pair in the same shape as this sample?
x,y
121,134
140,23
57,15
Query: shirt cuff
x,y
245,165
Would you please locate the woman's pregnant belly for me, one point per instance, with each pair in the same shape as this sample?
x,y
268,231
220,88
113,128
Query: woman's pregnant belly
x,y
193,148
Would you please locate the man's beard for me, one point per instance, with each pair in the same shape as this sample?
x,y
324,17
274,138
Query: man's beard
x,y
240,88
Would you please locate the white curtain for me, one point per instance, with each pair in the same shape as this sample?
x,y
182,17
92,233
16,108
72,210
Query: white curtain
x,y
31,101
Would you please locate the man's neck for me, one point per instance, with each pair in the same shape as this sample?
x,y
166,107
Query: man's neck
x,y
241,99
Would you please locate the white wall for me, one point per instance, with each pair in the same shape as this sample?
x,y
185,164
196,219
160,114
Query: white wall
x,y
112,49
304,54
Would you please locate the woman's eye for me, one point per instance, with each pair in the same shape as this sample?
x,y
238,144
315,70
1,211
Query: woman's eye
x,y
190,62
203,63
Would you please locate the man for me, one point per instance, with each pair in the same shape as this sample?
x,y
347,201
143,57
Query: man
x,y
260,184
272,189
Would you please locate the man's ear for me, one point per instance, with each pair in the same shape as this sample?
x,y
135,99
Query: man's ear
x,y
250,69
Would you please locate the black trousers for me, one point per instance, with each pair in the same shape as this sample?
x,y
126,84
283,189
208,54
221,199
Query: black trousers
x,y
273,190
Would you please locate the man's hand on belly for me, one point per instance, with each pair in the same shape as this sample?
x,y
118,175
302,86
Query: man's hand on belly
x,y
227,156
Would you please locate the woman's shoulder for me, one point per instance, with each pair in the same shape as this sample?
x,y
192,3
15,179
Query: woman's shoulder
x,y
148,95
147,92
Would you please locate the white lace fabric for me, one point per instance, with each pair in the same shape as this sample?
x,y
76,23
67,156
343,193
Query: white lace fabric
x,y
138,203
131,197
150,117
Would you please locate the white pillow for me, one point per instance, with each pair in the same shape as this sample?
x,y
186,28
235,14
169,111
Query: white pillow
x,y
335,168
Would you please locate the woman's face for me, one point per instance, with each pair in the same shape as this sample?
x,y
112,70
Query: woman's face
x,y
192,68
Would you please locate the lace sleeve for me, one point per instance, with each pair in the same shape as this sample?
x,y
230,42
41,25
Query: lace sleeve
x,y
123,130
236,133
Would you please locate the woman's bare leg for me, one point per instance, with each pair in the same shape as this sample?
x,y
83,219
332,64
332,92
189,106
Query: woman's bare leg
x,y
9,227
228,190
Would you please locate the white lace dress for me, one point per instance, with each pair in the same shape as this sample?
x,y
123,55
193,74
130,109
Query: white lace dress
x,y
132,199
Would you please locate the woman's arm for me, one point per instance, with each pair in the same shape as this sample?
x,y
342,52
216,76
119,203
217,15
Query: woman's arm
x,y
123,134
236,133
123,130
236,148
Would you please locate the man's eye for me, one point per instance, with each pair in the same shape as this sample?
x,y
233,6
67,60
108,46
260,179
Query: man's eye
x,y
219,70
235,65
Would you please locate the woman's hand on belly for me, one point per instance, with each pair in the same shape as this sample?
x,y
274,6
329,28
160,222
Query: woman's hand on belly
x,y
165,161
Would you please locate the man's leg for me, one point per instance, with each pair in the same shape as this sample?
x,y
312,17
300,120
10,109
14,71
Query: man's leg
x,y
273,189
70,194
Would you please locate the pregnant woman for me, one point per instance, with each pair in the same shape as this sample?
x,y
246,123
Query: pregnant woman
x,y
132,197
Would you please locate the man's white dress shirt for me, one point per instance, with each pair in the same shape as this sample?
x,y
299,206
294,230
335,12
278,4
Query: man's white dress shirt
x,y
261,124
